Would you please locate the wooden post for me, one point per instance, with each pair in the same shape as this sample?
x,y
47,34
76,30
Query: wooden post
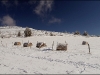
x,y
66,43
52,45
89,48
57,45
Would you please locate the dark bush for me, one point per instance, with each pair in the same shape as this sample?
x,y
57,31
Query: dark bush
x,y
85,33
51,34
19,34
61,47
27,32
77,33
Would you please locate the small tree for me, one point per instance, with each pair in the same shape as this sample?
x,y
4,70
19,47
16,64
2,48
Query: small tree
x,y
27,32
77,33
19,34
51,34
85,33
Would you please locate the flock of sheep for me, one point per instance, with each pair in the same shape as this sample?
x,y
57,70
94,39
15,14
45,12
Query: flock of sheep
x,y
39,44
60,46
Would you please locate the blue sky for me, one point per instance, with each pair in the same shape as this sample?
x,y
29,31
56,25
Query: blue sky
x,y
52,15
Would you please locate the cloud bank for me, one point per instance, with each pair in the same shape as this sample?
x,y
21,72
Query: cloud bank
x,y
5,2
8,3
43,7
55,20
7,21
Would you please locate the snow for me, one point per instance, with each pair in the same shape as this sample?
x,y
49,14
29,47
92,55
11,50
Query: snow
x,y
26,60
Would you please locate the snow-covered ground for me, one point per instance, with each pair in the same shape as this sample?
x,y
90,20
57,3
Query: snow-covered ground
x,y
26,60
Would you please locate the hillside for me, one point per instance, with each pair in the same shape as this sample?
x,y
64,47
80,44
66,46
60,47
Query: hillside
x,y
13,31
26,60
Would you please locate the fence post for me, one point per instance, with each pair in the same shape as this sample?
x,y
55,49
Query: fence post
x,y
52,45
89,48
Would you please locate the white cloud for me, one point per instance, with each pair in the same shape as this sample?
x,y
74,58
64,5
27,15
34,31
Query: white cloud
x,y
43,7
55,20
7,21
5,2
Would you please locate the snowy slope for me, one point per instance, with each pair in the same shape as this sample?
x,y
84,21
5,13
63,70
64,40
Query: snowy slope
x,y
13,31
76,60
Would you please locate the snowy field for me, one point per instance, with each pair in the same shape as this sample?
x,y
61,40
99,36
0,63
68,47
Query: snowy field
x,y
26,60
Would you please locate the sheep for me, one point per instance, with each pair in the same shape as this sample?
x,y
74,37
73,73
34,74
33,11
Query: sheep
x,y
30,44
41,44
27,44
84,43
17,43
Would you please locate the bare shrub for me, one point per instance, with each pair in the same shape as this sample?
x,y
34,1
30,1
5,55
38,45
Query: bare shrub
x,y
27,32
85,33
19,34
77,33
62,47
51,34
